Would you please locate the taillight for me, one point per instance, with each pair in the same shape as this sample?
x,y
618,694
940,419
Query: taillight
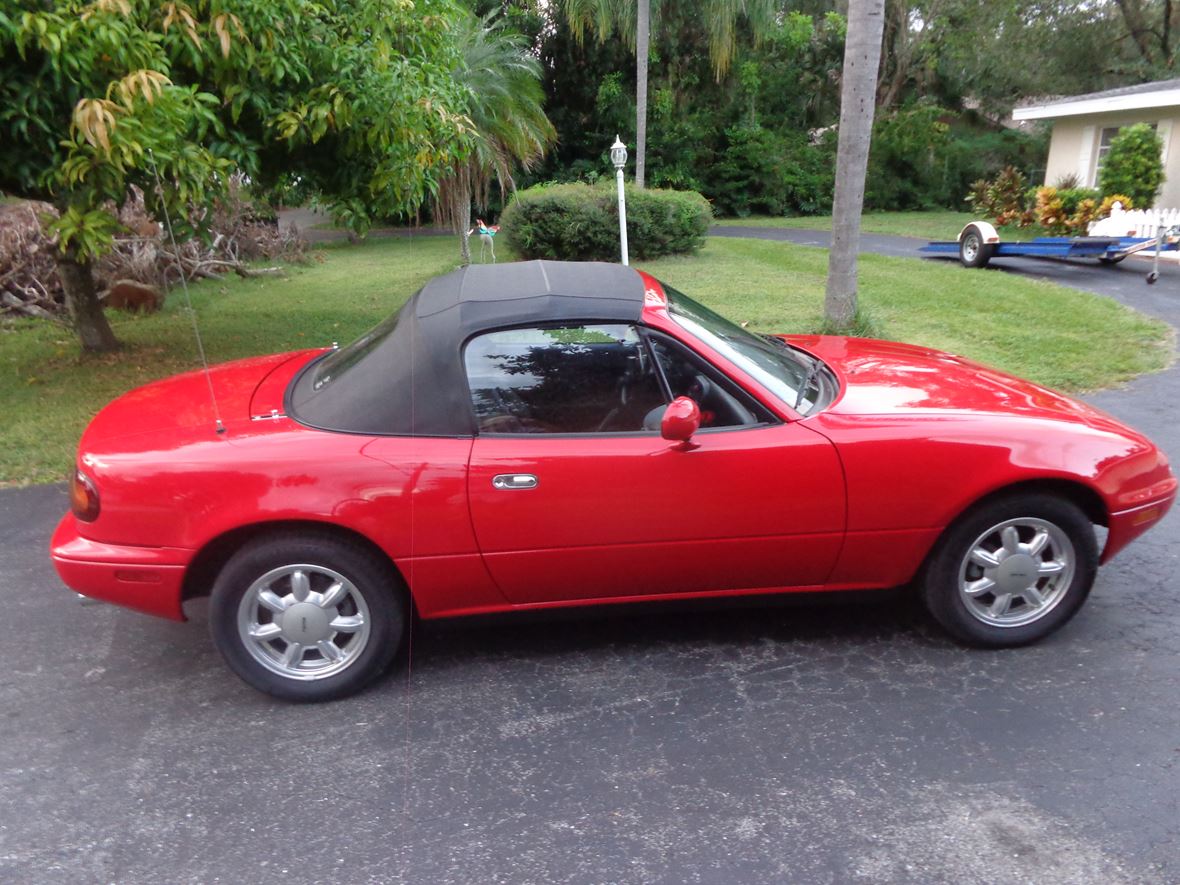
x,y
83,497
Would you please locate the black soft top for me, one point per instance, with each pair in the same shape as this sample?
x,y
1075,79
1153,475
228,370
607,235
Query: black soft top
x,y
406,378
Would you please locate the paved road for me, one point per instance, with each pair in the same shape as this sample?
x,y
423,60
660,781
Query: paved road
x,y
838,743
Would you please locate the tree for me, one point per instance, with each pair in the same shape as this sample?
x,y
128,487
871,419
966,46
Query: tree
x,y
1153,27
503,96
635,20
98,96
862,58
1134,166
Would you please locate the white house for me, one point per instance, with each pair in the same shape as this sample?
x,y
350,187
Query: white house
x,y
1084,125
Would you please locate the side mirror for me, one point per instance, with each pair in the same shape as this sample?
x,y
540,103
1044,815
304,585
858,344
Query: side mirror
x,y
681,420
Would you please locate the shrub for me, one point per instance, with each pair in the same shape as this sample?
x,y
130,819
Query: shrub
x,y
1002,199
1134,165
1109,201
762,171
1050,212
1066,212
577,222
1072,197
1006,201
925,156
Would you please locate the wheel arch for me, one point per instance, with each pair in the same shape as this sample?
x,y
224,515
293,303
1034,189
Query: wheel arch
x,y
1078,493
986,230
203,569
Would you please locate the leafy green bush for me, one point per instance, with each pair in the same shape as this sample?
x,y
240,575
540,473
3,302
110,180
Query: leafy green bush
x,y
577,222
764,172
1003,199
1006,202
925,156
1134,165
1068,211
1072,197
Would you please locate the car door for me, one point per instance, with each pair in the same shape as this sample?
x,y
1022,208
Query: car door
x,y
574,495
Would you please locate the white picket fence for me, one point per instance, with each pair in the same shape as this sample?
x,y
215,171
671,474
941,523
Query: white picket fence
x,y
1137,223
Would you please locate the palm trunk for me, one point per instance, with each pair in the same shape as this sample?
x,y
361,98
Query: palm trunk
x,y
77,280
862,58
642,39
463,216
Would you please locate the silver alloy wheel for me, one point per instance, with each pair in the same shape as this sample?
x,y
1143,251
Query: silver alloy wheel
x,y
970,247
1016,572
304,622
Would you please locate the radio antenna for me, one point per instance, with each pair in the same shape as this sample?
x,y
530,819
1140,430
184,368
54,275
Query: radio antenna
x,y
188,302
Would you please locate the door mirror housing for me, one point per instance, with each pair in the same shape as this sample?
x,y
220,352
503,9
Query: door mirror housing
x,y
681,420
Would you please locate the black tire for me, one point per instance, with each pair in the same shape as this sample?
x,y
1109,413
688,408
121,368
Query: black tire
x,y
1111,259
353,613
1152,276
973,251
953,582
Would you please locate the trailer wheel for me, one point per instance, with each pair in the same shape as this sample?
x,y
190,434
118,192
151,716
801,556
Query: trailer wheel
x,y
1111,259
1152,277
973,251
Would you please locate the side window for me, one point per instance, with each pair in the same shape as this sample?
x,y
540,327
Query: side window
x,y
571,379
721,404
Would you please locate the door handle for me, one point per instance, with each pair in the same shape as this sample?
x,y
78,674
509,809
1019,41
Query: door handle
x,y
514,481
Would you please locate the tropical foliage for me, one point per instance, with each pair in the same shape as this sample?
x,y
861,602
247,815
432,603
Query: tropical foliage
x,y
353,98
500,80
634,21
1007,200
1134,165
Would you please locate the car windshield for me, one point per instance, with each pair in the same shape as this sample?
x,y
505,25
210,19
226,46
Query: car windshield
x,y
783,370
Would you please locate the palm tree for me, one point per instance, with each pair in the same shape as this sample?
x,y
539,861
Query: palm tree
x,y
635,20
862,58
508,128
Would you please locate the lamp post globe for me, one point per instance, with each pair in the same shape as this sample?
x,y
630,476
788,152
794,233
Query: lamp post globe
x,y
618,153
618,156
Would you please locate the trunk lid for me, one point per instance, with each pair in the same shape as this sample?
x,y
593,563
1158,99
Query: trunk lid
x,y
184,401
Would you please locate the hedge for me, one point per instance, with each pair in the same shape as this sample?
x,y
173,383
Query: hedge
x,y
580,222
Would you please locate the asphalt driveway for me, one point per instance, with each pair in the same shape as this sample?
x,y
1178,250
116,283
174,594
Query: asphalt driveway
x,y
798,743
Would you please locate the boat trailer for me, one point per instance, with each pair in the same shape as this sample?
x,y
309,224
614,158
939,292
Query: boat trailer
x,y
979,243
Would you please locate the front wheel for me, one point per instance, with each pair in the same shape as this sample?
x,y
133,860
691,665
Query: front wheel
x,y
307,617
1012,571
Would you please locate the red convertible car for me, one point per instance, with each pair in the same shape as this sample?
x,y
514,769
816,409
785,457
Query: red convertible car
x,y
540,434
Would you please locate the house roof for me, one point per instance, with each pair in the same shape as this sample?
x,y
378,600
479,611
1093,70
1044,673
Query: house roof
x,y
1160,94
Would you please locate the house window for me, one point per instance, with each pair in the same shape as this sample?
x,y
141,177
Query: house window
x,y
1105,137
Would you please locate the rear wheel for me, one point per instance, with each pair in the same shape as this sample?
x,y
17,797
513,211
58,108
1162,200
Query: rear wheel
x,y
973,251
307,617
1012,571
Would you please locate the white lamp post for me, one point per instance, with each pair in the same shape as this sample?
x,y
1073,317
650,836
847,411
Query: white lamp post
x,y
618,156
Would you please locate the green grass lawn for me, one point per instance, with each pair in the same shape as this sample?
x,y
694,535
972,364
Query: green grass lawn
x,y
1055,335
935,224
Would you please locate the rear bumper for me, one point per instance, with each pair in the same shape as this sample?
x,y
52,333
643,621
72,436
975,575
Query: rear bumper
x,y
147,579
1127,525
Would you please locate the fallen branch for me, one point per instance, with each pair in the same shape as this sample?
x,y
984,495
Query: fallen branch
x,y
28,308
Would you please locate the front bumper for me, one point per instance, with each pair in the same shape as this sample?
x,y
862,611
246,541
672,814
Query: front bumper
x,y
1127,525
147,579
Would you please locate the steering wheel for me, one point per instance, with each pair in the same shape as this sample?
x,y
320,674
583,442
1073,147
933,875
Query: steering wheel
x,y
700,390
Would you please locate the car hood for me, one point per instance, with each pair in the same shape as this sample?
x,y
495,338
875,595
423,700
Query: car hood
x,y
884,378
241,389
